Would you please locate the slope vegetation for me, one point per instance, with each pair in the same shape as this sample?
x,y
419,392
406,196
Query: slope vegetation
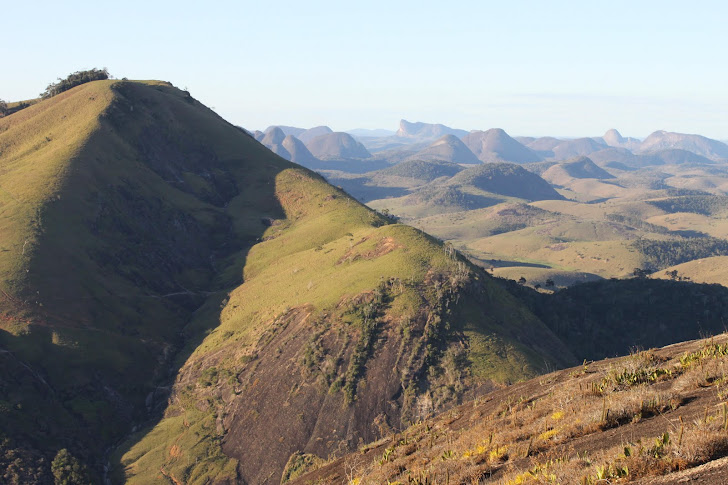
x,y
506,179
654,417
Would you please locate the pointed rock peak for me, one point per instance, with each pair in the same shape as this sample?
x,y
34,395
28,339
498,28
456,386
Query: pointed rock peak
x,y
273,135
613,136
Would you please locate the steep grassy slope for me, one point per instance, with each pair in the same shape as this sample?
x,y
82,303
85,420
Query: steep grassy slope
x,y
341,330
145,240
653,417
114,213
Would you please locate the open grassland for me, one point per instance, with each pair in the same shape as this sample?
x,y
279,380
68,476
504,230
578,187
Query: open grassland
x,y
608,229
706,270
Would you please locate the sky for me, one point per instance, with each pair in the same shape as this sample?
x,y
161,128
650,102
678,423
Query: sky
x,y
533,68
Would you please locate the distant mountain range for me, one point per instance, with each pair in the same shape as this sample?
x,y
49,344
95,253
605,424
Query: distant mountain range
x,y
700,145
433,141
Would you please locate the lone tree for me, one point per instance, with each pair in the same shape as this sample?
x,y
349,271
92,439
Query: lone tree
x,y
74,79
641,274
3,108
550,283
673,275
522,281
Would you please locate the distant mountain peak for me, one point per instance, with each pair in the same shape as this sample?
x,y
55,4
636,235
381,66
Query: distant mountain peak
x,y
698,144
273,136
613,136
495,145
422,130
337,146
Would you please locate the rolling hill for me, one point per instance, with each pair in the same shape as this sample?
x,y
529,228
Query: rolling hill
x,y
579,168
506,179
424,170
447,148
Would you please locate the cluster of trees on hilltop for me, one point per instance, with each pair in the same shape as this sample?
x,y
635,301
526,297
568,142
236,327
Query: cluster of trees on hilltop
x,y
74,79
707,205
663,254
611,317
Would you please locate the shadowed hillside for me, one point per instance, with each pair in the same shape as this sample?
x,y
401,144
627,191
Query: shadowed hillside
x,y
506,179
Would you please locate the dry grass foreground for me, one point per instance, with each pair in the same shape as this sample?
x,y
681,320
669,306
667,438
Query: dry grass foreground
x,y
658,416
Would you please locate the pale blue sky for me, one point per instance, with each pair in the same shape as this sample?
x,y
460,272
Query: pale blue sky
x,y
533,68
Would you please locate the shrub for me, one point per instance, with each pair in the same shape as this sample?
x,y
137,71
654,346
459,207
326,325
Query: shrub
x,y
74,79
67,470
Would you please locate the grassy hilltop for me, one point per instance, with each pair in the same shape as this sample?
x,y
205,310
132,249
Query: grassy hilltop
x,y
145,239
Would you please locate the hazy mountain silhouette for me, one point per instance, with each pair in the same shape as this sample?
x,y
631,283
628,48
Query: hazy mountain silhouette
x,y
698,144
426,130
298,151
495,145
337,146
614,138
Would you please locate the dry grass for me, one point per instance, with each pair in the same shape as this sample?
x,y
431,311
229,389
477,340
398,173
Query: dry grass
x,y
616,421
